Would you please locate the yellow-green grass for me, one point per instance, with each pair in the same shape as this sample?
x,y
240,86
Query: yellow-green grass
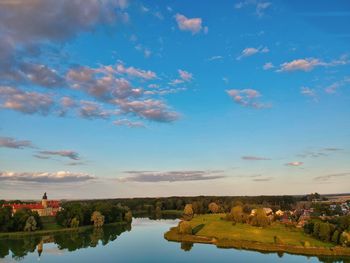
x,y
223,233
218,228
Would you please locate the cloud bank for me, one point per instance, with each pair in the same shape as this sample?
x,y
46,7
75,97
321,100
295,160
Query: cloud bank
x,y
45,177
171,176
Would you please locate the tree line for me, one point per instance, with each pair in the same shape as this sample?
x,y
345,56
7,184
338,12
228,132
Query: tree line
x,y
75,214
22,220
335,230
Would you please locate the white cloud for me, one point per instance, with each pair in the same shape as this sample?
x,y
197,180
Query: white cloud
x,y
250,51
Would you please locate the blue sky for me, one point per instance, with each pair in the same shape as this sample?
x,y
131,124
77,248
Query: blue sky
x,y
127,98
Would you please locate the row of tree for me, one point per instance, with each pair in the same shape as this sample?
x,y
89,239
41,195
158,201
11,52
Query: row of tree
x,y
201,203
23,220
336,230
74,214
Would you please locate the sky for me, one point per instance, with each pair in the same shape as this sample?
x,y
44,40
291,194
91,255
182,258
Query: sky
x,y
122,98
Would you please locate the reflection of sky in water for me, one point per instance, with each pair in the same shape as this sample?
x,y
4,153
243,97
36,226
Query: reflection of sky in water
x,y
145,243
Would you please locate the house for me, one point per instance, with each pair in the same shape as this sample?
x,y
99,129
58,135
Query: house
x,y
279,213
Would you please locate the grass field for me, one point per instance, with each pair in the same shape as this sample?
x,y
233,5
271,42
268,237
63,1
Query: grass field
x,y
221,229
224,234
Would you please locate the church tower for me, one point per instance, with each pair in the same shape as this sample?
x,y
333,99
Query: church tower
x,y
44,200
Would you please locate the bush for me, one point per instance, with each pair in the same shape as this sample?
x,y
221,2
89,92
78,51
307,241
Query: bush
x,y
335,237
196,229
277,240
305,243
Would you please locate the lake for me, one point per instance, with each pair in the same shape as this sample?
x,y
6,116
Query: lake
x,y
144,242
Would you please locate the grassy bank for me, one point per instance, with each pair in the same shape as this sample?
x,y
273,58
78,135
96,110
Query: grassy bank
x,y
52,229
243,236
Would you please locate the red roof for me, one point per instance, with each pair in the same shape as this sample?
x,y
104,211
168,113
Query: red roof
x,y
53,204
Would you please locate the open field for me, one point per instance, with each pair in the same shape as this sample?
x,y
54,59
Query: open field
x,y
224,234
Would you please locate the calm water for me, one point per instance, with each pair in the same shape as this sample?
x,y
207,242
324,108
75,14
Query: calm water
x,y
144,242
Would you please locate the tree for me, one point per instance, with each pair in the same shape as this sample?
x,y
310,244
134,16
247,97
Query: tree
x,y
325,232
98,219
213,208
74,223
335,237
184,227
128,217
316,230
260,218
5,219
237,214
188,212
30,224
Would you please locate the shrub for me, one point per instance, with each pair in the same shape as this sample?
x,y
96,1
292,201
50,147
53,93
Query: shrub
x,y
335,237
277,240
305,243
196,229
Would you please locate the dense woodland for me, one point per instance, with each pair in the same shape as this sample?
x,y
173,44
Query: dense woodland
x,y
200,203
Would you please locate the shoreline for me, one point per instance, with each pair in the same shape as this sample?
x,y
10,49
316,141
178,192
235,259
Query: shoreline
x,y
52,231
339,251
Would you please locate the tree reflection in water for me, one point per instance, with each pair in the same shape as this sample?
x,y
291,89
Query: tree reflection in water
x,y
19,247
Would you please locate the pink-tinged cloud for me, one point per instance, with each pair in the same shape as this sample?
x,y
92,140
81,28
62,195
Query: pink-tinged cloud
x,y
247,98
193,25
184,76
268,66
295,164
148,109
24,101
136,72
306,64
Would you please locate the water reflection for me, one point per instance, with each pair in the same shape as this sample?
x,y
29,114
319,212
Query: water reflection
x,y
147,238
70,241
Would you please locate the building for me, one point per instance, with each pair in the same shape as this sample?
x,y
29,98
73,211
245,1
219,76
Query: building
x,y
44,208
